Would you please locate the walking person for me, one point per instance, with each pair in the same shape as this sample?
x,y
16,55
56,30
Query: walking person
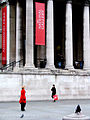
x,y
22,100
53,89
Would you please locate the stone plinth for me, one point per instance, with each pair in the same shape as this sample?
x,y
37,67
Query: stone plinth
x,y
76,117
38,82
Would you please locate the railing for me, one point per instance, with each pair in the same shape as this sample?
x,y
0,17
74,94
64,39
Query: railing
x,y
11,65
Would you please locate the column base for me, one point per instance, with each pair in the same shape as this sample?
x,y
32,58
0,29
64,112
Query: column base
x,y
50,67
86,68
27,66
16,69
69,67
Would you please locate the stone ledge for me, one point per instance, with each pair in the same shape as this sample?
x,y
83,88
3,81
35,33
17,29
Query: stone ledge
x,y
75,116
36,71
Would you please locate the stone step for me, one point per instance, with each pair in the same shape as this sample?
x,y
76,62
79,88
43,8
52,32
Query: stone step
x,y
52,71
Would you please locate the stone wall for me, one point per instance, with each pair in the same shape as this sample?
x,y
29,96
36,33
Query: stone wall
x,y
38,86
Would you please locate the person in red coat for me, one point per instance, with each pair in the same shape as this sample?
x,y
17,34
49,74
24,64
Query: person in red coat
x,y
22,100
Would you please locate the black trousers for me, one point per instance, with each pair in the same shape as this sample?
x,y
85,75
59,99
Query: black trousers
x,y
23,106
53,94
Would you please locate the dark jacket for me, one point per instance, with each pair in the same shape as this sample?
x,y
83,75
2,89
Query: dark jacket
x,y
53,91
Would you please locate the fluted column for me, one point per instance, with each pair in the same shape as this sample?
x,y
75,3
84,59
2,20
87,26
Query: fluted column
x,y
69,40
50,35
19,32
29,34
8,33
86,39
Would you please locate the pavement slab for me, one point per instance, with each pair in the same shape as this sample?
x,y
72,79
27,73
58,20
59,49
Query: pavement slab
x,y
42,110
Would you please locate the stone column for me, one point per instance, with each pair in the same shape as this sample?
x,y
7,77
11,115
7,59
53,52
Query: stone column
x,y
69,40
19,32
8,33
50,35
86,39
12,33
29,34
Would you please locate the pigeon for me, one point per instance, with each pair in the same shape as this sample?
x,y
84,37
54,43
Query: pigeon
x,y
78,109
22,116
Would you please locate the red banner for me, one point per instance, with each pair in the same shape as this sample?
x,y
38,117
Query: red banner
x,y
4,35
40,23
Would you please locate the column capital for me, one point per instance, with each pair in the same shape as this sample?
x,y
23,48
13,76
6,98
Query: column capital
x,y
87,2
50,0
69,1
4,3
12,2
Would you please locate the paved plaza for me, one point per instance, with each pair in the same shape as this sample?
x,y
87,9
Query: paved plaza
x,y
42,110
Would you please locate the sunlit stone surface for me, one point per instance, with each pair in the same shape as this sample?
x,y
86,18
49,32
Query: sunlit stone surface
x,y
76,116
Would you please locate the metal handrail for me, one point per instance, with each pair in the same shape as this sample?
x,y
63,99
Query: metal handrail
x,y
12,64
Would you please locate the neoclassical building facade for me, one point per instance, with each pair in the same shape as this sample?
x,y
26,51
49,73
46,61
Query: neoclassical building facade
x,y
66,34
52,39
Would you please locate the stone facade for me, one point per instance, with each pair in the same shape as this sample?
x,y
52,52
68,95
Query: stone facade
x,y
42,67
69,85
67,48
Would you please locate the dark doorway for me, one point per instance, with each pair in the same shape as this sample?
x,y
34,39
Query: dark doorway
x,y
59,34
77,17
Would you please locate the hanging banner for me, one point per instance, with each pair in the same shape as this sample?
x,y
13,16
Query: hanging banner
x,y
4,35
40,23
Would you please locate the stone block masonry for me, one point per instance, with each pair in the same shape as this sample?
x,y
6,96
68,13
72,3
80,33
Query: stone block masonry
x,y
38,85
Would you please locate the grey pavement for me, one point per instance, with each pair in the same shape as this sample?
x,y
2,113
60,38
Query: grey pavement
x,y
42,110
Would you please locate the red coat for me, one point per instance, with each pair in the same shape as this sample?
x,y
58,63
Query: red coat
x,y
22,97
